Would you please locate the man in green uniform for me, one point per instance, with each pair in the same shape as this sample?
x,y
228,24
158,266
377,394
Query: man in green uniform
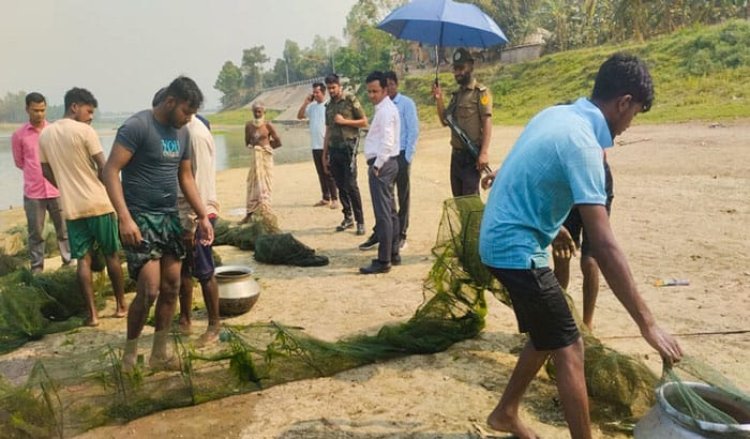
x,y
344,118
471,110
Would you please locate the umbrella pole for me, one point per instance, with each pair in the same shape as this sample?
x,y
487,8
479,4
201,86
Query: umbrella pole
x,y
437,63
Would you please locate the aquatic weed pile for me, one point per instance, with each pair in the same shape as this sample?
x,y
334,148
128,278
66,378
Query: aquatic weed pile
x,y
262,235
14,255
33,305
89,388
10,263
244,236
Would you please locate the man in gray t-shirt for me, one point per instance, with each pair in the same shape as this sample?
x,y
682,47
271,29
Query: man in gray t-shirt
x,y
149,180
152,151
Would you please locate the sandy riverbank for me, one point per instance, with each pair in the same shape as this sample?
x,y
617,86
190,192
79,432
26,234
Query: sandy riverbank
x,y
681,210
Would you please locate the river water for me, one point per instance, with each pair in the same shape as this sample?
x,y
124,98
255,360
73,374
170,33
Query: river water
x,y
230,153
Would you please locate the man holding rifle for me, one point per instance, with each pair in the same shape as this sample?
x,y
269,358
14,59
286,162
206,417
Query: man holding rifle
x,y
469,115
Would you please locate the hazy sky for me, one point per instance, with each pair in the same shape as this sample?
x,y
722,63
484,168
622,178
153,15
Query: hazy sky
x,y
125,50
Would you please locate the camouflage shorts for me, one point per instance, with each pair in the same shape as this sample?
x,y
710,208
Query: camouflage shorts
x,y
162,235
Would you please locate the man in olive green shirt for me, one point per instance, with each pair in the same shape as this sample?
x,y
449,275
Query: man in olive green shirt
x,y
344,118
471,109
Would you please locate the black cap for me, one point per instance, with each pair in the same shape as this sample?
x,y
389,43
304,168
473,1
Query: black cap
x,y
462,56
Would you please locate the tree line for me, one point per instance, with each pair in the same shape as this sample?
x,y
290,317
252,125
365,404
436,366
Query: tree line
x,y
367,49
585,23
572,24
13,108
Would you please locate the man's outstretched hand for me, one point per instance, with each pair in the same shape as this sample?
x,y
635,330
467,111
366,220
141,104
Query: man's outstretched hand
x,y
664,343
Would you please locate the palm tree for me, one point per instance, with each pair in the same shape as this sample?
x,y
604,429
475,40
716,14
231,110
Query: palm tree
x,y
555,12
632,14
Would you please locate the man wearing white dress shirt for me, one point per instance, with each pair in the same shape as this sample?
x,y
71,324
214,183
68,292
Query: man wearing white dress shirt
x,y
381,153
409,132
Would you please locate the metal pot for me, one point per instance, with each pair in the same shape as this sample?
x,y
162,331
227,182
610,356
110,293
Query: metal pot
x,y
666,421
238,291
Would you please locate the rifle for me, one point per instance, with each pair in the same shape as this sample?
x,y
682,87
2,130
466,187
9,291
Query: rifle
x,y
468,143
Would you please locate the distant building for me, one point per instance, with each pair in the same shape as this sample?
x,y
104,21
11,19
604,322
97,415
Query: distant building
x,y
531,48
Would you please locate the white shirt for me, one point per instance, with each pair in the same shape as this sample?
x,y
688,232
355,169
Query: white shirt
x,y
316,114
382,141
203,162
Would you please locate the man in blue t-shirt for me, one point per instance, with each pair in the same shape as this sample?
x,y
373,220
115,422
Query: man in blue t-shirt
x,y
152,151
556,164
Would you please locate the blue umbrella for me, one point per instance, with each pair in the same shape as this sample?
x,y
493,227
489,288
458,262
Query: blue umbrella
x,y
443,23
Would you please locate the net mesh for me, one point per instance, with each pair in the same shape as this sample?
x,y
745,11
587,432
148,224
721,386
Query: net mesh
x,y
14,252
725,404
285,249
68,394
10,263
262,235
33,305
18,237
242,236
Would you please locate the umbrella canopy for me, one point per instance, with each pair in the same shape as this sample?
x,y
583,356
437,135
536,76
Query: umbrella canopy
x,y
443,23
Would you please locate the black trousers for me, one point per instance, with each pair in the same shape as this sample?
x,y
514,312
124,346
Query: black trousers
x,y
343,166
328,189
464,175
384,206
403,190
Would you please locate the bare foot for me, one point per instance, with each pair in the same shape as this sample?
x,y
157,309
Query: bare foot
x,y
160,364
512,425
128,363
186,328
209,337
120,312
91,322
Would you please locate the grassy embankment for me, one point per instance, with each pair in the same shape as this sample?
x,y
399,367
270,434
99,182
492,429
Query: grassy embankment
x,y
236,118
700,73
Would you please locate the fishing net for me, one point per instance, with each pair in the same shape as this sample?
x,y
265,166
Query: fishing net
x,y
78,391
19,235
20,404
10,263
244,235
720,402
620,387
14,252
32,305
262,235
285,249
86,389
